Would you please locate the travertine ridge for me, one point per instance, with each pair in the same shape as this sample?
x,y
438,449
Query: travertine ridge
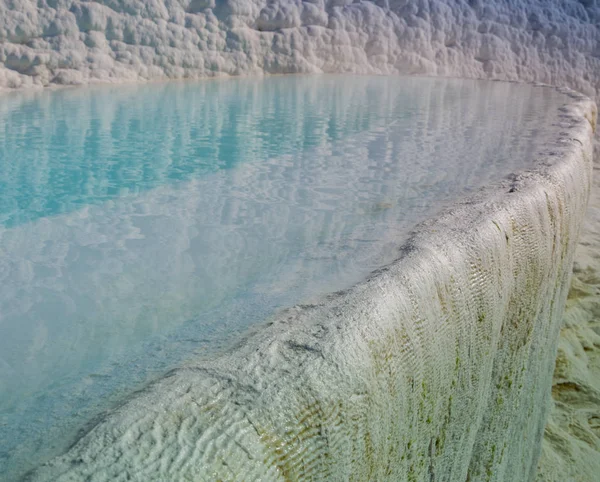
x,y
438,366
46,42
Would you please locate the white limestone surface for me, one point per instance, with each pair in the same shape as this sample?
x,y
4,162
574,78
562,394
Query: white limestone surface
x,y
571,444
45,42
436,367
58,42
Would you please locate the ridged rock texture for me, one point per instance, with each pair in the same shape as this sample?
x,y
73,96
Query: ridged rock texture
x,y
340,432
438,367
73,41
571,444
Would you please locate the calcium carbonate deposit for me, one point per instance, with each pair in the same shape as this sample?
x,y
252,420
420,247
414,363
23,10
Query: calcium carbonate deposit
x,y
437,368
72,41
571,445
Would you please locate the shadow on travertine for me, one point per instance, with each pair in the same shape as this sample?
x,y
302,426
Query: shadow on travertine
x,y
571,444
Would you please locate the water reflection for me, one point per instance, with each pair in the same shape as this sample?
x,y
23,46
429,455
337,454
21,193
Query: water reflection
x,y
142,224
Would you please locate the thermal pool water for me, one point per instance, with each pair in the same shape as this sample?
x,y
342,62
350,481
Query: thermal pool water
x,y
142,226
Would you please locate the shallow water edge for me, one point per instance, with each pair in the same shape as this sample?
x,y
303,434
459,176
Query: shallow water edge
x,y
440,363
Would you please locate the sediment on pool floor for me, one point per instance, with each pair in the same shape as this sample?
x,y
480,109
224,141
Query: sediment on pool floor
x,y
374,367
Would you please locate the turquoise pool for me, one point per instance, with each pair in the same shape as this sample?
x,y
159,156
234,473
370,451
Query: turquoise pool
x,y
144,225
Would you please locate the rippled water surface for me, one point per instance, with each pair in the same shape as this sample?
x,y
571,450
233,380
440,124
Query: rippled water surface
x,y
143,225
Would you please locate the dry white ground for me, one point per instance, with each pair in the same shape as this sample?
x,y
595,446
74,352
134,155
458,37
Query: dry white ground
x,y
571,445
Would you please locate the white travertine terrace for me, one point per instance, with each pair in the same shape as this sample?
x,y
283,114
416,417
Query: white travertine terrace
x,y
398,386
438,366
571,445
73,41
